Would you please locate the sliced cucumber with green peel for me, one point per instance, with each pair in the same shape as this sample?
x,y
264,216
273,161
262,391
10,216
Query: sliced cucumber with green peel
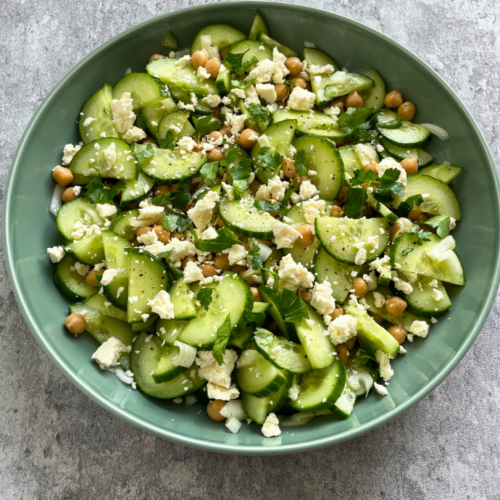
x,y
169,330
135,190
280,137
97,107
77,210
166,370
256,375
322,157
70,282
344,406
222,36
417,261
315,341
144,360
183,300
242,217
155,112
408,135
174,122
320,389
338,235
223,81
121,224
90,161
360,377
242,339
231,297
336,86
338,274
147,277
317,58
270,42
143,88
146,326
311,123
251,49
441,200
288,329
99,303
373,97
182,77
258,25
87,250
400,153
180,95
284,354
445,173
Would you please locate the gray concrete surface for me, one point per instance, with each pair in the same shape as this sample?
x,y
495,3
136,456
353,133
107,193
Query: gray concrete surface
x,y
57,444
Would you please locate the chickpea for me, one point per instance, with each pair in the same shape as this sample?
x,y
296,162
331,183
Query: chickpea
x,y
161,189
224,51
238,269
360,287
395,306
214,136
336,211
199,58
178,235
354,100
350,343
63,176
393,99
417,216
91,279
339,102
398,333
306,237
300,179
208,270
247,138
143,230
254,187
294,65
410,165
221,261
189,258
306,295
213,66
154,57
226,130
299,82
256,294
407,111
150,140
214,408
215,155
247,278
289,170
174,187
377,318
342,197
282,91
343,354
75,323
162,234
68,195
337,312
372,166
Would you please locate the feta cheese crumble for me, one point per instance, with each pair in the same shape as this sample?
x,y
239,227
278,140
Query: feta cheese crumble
x,y
343,328
192,273
271,426
56,254
162,305
294,275
284,235
201,214
108,353
301,99
419,328
384,365
322,298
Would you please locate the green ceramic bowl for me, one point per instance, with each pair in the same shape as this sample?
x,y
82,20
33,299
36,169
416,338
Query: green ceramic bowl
x,y
29,228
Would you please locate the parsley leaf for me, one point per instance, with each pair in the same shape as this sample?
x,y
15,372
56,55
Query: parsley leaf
x,y
268,161
178,199
286,199
141,123
406,251
354,205
234,60
243,171
267,206
275,282
265,337
242,85
389,181
290,306
360,177
225,239
95,192
421,234
239,71
209,171
223,334
256,317
149,152
205,125
175,221
230,158
263,113
167,142
356,122
205,297
406,206
254,256
300,162
442,223
239,186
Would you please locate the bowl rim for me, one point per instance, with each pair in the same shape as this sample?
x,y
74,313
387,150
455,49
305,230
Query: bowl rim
x,y
196,443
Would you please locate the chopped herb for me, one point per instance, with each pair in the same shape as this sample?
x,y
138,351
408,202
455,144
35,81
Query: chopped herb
x,y
206,124
256,317
149,152
406,206
167,142
223,334
300,162
243,171
242,85
254,256
205,297
265,336
356,122
141,123
225,239
95,192
209,171
239,187
286,199
356,197
267,206
230,158
442,223
268,161
421,234
406,251
290,306
175,221
261,112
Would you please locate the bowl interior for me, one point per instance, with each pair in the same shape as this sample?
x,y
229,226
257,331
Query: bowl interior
x,y
29,228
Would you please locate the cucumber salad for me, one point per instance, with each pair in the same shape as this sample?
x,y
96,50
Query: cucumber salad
x,y
253,229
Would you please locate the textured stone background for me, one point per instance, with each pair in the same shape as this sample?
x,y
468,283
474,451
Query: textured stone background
x,y
57,444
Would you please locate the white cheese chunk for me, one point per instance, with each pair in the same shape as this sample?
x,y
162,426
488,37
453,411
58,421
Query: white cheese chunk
x,y
108,353
343,328
162,305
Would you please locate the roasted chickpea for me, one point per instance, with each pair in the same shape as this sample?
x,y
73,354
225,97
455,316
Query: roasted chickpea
x,y
289,170
350,343
238,269
282,91
407,111
337,312
161,189
410,165
299,82
199,58
189,258
220,222
339,102
75,323
372,166
224,51
343,354
221,261
215,155
150,140
336,211
162,234
254,187
249,279
354,100
178,235
417,216
213,66
377,318
247,138
68,195
360,287
395,306
398,333
300,179
208,270
154,57
91,279
63,176
226,131
306,237
214,136
393,99
342,197
143,230
294,65
214,408
306,295
255,294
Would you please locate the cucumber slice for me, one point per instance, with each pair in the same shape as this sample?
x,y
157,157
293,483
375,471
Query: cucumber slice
x,y
166,370
155,112
144,361
318,58
243,338
442,199
251,49
243,218
176,119
242,155
98,107
147,326
223,81
255,375
266,39
182,77
338,236
184,96
147,277
70,283
334,86
143,88
258,24
400,153
99,303
280,137
169,167
169,330
102,327
320,389
77,210
360,377
449,270
322,157
255,408
84,170
87,250
135,190
371,335
313,123
222,36
263,308
311,333
338,274
374,97
445,173
409,135
344,406
284,354
231,297
182,299
286,328
121,224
